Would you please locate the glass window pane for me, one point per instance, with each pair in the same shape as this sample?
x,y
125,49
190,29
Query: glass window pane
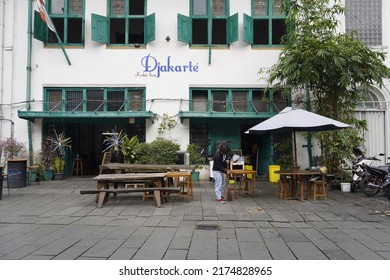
x,y
76,7
218,7
74,101
260,7
57,7
136,31
365,18
95,100
200,7
259,101
136,100
75,31
240,101
137,7
219,101
199,100
277,7
279,101
278,31
115,101
54,98
117,31
118,7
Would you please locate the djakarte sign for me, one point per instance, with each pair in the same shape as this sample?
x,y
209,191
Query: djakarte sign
x,y
154,68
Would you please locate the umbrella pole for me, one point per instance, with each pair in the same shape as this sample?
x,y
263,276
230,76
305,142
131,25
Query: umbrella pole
x,y
295,151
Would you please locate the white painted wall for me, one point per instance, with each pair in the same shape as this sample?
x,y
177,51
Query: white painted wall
x,y
97,65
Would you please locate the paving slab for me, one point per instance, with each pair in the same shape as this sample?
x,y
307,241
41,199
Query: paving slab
x,y
51,220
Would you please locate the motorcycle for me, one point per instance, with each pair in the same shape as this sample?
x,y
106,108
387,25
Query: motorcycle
x,y
374,180
357,166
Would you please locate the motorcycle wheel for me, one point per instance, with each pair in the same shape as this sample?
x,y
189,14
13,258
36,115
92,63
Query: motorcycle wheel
x,y
387,192
354,186
366,189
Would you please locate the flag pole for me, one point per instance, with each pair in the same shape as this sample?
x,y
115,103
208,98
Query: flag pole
x,y
62,48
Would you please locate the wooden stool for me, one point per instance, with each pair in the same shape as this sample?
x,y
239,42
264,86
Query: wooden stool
x,y
283,187
247,186
319,189
77,167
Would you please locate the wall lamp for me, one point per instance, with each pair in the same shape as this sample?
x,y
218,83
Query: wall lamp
x,y
167,38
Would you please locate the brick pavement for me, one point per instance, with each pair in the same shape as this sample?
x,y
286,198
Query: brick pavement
x,y
51,220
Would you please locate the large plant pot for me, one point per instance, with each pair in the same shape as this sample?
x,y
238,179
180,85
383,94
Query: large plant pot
x,y
17,173
195,176
48,175
59,176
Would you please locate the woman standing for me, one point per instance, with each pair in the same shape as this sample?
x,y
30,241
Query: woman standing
x,y
219,171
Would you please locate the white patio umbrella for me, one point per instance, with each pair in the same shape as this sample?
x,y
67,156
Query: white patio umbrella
x,y
290,120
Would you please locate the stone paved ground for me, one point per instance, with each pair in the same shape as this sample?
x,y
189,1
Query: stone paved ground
x,y
51,220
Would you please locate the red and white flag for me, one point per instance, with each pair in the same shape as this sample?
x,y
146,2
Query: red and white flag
x,y
45,16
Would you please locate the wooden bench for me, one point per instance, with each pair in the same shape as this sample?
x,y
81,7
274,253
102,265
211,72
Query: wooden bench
x,y
102,193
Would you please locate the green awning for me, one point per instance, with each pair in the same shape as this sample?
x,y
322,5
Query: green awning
x,y
31,115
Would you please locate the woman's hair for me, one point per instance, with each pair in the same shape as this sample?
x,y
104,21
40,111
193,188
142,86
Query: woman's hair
x,y
223,148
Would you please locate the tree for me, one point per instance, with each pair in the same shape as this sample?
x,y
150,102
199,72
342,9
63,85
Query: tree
x,y
337,69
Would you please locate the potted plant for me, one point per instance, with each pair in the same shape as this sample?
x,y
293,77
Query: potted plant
x,y
59,143
47,160
196,158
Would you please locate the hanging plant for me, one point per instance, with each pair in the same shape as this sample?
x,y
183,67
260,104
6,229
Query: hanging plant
x,y
167,123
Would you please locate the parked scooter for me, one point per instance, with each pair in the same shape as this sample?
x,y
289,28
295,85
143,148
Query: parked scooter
x,y
358,164
374,180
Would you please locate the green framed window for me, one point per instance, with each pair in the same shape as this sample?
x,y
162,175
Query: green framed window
x,y
237,100
94,99
126,24
267,25
209,24
68,19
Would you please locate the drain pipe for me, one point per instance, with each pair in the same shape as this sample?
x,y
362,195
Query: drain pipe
x,y
2,46
28,82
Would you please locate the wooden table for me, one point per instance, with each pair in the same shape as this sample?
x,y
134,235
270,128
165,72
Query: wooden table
x,y
251,187
125,167
181,179
298,176
103,182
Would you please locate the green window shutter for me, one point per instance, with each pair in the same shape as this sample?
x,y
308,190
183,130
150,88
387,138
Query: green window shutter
x,y
248,29
150,28
40,28
232,28
99,28
184,33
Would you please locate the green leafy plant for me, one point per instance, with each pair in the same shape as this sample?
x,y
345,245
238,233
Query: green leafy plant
x,y
160,151
336,69
58,165
167,123
128,148
195,156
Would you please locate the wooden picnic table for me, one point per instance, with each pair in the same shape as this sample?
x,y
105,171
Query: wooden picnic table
x,y
298,177
103,182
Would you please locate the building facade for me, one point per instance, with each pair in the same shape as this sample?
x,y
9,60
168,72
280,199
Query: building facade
x,y
184,70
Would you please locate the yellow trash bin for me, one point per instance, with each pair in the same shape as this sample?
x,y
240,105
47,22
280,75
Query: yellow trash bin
x,y
248,167
273,177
